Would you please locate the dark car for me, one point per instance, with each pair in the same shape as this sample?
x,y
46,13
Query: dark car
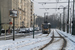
x,y
3,31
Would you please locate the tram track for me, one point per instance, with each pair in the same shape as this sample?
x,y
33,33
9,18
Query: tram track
x,y
53,41
48,43
64,44
33,42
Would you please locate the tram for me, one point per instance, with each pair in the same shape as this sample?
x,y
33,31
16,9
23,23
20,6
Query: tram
x,y
46,28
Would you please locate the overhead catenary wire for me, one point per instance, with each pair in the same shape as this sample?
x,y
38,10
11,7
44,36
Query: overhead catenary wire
x,y
53,2
44,7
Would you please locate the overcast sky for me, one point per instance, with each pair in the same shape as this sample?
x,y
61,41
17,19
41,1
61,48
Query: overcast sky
x,y
40,12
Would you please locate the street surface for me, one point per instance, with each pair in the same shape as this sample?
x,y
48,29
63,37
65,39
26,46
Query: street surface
x,y
53,41
57,39
18,35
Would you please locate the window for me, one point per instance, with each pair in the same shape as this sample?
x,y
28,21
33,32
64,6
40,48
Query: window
x,y
9,19
20,17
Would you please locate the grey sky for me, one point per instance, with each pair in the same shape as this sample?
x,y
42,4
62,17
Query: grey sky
x,y
51,11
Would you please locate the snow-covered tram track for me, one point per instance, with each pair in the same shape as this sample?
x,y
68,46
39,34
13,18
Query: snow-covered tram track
x,y
25,43
48,43
54,42
65,42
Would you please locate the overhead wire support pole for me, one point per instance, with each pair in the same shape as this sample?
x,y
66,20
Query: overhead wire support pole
x,y
64,19
0,18
34,26
68,18
60,21
73,26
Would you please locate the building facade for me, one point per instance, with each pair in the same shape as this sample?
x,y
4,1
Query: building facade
x,y
6,6
24,12
32,12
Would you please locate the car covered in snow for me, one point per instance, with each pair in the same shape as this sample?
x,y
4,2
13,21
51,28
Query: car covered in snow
x,y
31,29
27,30
22,30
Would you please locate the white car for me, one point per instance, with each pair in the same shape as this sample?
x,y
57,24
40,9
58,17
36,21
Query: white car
x,y
22,30
31,29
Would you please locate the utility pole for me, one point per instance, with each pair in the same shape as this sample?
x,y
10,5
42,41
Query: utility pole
x,y
13,29
44,17
73,26
60,21
68,18
34,25
0,18
64,19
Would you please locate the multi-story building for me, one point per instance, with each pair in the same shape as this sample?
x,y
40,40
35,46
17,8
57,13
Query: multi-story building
x,y
21,10
5,6
24,12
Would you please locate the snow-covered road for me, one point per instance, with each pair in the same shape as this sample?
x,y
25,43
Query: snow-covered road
x,y
57,42
40,40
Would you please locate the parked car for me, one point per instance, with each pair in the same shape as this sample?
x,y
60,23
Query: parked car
x,y
40,29
3,31
36,28
22,30
31,29
27,30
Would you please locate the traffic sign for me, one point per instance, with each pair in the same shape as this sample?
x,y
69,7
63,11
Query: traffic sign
x,y
13,13
5,26
10,23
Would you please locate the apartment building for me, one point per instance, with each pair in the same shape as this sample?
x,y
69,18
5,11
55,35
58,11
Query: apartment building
x,y
5,6
24,12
